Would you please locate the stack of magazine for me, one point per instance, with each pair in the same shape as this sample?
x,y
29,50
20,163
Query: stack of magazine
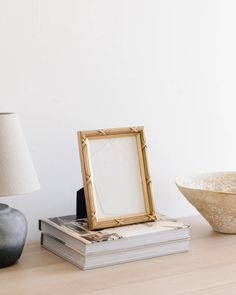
x,y
71,239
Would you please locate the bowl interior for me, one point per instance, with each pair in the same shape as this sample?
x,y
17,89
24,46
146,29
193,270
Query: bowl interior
x,y
224,182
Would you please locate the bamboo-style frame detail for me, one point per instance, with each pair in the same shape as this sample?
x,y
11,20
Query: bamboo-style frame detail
x,y
149,214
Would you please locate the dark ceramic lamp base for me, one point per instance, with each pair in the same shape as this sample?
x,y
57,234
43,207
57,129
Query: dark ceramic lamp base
x,y
13,230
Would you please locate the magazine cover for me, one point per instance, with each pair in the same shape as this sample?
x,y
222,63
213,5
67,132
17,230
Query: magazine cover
x,y
80,226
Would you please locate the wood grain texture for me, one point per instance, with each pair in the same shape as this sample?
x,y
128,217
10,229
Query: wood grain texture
x,y
208,268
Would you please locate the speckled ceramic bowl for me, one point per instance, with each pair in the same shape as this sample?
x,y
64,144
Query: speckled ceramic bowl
x,y
214,196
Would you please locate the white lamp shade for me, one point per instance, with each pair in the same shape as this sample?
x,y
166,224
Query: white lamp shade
x,y
17,173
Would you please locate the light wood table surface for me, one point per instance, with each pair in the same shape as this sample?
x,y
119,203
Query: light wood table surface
x,y
208,268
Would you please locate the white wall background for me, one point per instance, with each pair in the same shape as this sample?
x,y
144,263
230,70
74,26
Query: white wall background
x,y
72,65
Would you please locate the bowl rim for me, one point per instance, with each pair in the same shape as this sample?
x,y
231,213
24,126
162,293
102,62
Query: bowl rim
x,y
179,185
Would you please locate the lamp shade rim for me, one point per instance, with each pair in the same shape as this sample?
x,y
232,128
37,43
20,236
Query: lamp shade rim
x,y
19,193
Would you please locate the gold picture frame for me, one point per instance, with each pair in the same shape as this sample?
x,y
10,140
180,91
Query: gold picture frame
x,y
139,181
